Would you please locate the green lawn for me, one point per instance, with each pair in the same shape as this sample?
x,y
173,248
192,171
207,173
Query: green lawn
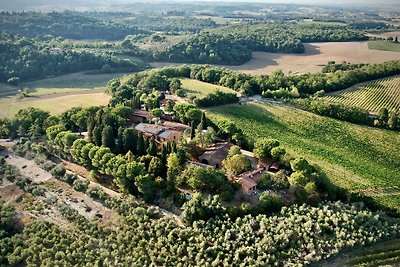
x,y
384,46
352,156
201,89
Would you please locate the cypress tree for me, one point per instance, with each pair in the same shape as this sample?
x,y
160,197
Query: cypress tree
x,y
173,148
203,121
130,140
164,153
146,144
97,135
107,137
152,149
120,140
90,128
192,131
140,145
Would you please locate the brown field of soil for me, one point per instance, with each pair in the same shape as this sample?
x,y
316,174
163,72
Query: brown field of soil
x,y
315,57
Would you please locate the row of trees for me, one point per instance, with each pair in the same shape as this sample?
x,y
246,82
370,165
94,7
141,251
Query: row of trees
x,y
276,84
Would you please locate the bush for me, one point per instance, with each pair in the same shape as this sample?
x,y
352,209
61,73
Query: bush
x,y
58,171
265,181
38,191
80,185
97,193
69,178
270,201
280,180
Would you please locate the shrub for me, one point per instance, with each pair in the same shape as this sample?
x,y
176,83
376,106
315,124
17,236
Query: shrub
x,y
265,181
58,171
80,184
270,201
69,178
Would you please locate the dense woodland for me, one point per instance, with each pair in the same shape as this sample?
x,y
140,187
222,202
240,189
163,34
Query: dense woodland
x,y
233,44
71,25
26,59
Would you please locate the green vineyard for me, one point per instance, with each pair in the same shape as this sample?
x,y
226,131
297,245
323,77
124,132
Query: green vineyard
x,y
373,96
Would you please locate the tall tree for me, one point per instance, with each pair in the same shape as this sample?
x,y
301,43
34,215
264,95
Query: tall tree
x,y
192,131
107,137
120,140
97,135
203,121
152,149
130,140
140,145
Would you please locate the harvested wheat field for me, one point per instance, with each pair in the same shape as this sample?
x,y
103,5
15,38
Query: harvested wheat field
x,y
315,56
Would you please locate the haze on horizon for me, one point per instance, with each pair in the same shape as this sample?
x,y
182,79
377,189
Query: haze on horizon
x,y
101,4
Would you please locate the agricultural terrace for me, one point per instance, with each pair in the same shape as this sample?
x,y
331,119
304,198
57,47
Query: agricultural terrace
x,y
373,96
354,157
201,89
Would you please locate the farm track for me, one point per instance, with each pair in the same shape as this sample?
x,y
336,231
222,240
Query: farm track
x,y
51,96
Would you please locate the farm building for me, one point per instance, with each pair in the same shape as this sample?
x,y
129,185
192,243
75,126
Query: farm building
x,y
275,167
214,155
160,133
150,129
170,136
249,180
180,127
140,116
247,185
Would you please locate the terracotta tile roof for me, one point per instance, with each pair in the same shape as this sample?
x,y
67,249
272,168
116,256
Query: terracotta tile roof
x,y
218,152
176,126
254,175
142,113
246,182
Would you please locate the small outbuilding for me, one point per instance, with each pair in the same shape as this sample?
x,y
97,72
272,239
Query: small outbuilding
x,y
214,155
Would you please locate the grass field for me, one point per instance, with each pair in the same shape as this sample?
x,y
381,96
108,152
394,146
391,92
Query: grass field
x,y
9,106
384,46
201,89
372,96
74,82
354,157
385,253
56,94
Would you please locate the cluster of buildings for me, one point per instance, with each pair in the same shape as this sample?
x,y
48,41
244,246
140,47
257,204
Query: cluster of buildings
x,y
214,156
173,132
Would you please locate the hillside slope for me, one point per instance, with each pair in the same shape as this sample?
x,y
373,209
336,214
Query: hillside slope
x,y
358,158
